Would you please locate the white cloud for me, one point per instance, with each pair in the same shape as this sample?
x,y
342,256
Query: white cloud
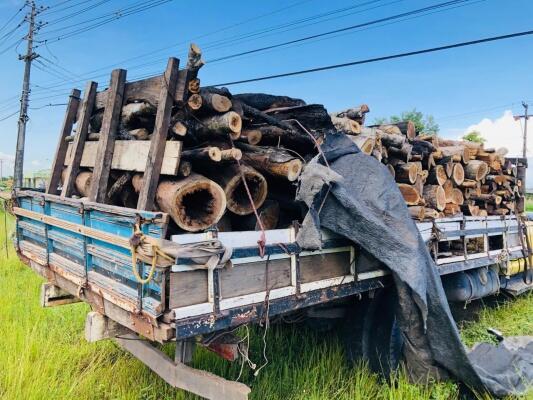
x,y
502,132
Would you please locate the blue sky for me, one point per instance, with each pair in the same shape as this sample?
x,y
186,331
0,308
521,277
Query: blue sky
x,y
459,88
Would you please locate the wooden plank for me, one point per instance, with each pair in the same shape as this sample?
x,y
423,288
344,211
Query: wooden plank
x,y
324,266
106,143
146,89
79,140
187,288
131,155
62,145
181,376
52,295
251,278
159,136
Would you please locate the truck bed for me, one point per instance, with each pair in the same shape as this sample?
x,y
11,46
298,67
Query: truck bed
x,y
83,248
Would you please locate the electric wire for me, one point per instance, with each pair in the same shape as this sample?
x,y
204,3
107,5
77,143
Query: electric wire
x,y
12,18
377,59
75,13
111,17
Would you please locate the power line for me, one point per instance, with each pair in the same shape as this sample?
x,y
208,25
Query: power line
x,y
369,23
12,18
111,17
75,13
9,116
54,10
348,28
376,59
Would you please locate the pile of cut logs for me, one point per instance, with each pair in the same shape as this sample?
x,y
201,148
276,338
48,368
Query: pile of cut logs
x,y
228,156
443,178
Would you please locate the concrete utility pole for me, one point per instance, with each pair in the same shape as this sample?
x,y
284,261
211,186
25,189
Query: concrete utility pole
x,y
525,116
24,98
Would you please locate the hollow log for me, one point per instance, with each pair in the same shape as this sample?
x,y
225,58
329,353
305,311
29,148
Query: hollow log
x,y
262,101
406,173
410,194
269,214
230,179
476,170
272,161
211,153
437,175
435,197
458,174
194,203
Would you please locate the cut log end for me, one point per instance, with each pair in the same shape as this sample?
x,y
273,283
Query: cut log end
x,y
252,136
237,196
195,102
220,103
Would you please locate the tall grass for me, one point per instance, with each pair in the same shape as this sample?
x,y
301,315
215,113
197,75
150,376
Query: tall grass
x,y
43,355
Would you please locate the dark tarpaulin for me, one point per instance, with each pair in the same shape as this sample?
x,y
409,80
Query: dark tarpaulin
x,y
356,197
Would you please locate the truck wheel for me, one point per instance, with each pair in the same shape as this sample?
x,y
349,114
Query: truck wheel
x,y
370,332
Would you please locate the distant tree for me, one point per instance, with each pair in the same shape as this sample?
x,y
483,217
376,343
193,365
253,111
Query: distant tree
x,y
474,136
422,123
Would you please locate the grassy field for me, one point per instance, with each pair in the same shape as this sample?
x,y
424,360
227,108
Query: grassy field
x,y
43,354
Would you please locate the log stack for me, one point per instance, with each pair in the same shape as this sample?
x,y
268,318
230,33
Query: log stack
x,y
230,157
443,178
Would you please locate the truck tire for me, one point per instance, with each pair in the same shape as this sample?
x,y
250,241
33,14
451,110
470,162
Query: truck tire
x,y
370,332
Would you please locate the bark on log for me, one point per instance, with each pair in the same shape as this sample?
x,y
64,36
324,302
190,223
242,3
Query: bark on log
x,y
458,153
437,175
194,203
404,153
252,136
476,170
392,140
269,214
185,169
274,135
231,154
356,113
435,197
262,101
224,124
214,102
406,173
346,125
210,154
313,117
195,102
272,161
137,115
410,194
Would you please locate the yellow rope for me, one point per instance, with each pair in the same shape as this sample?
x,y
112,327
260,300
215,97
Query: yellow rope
x,y
156,251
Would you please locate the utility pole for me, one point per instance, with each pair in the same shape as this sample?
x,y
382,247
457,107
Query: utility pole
x,y
1,170
525,116
24,98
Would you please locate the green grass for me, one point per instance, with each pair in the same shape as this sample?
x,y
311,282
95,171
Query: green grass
x,y
43,354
